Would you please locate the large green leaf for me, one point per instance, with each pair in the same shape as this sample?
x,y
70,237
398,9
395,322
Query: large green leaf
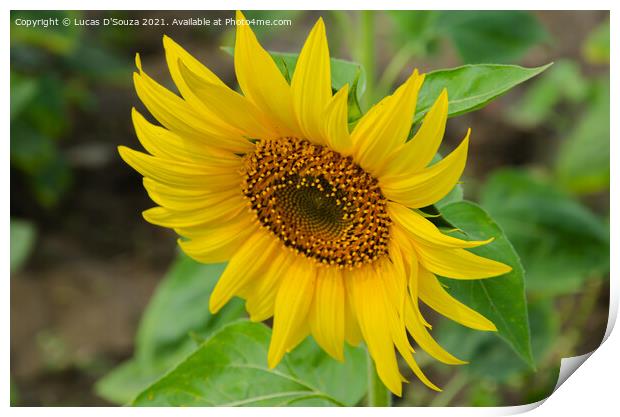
x,y
489,357
498,36
180,306
345,381
126,381
561,243
471,87
500,299
230,369
177,314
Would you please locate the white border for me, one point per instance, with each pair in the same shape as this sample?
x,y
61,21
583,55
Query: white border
x,y
592,389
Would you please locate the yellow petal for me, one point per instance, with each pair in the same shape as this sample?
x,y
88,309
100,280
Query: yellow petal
x,y
261,81
218,211
386,126
291,309
164,143
402,252
399,336
420,229
182,174
430,185
177,56
368,301
175,114
419,151
458,263
327,312
352,332
229,106
179,199
423,338
261,296
311,83
433,295
216,244
394,275
249,263
336,126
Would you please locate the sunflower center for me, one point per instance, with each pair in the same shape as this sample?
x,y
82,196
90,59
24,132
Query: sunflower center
x,y
317,202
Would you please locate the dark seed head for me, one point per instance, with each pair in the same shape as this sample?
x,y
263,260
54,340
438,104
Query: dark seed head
x,y
317,202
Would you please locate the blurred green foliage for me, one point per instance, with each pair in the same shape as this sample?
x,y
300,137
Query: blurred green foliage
x,y
23,237
596,47
53,71
583,162
561,242
577,107
479,37
492,36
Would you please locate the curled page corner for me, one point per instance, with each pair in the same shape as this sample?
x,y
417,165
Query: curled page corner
x,y
569,365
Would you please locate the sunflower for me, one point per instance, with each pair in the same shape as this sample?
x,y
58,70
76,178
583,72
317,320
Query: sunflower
x,y
320,225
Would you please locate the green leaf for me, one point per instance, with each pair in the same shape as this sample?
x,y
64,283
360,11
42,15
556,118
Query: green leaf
x,y
471,87
493,35
561,243
123,383
23,237
500,299
490,358
230,369
354,112
345,381
177,315
583,162
180,306
342,71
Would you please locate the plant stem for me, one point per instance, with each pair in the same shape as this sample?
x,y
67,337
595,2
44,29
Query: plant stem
x,y
395,67
378,394
450,390
367,53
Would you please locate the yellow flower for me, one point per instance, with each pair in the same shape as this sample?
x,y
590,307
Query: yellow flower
x,y
318,224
